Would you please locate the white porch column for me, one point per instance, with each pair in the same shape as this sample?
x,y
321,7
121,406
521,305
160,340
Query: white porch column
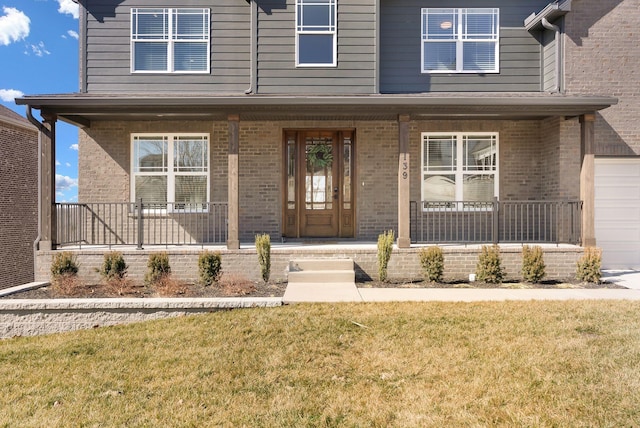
x,y
404,183
233,240
587,178
48,219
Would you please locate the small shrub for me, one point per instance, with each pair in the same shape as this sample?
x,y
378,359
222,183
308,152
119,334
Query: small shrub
x,y
157,267
385,247
432,262
64,263
209,267
68,285
588,268
237,285
166,286
263,247
489,268
121,286
533,267
113,266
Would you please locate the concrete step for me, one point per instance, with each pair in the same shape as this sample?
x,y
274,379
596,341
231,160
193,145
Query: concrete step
x,y
320,264
322,276
321,271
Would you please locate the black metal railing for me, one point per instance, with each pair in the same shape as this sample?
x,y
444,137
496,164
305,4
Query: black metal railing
x,y
496,221
113,223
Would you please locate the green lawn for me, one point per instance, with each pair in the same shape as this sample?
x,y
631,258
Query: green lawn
x,y
357,365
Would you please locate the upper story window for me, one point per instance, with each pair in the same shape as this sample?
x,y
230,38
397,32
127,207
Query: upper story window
x,y
460,40
169,40
459,167
316,33
170,168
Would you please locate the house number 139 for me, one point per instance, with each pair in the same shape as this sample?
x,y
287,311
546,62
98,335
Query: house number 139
x,y
405,167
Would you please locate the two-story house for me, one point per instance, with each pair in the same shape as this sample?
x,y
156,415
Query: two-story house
x,y
467,121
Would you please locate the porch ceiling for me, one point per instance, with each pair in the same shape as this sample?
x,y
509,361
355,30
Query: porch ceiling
x,y
81,109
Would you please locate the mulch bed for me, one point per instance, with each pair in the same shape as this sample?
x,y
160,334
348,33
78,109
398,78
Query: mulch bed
x,y
549,284
247,289
269,289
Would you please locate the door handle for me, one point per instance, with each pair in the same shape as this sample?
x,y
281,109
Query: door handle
x,y
335,193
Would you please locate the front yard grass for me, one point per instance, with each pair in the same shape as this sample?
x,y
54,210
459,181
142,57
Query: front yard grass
x,y
405,365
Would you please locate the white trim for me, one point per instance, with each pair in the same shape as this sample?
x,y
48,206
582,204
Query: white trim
x,y
333,31
458,170
459,38
170,171
171,40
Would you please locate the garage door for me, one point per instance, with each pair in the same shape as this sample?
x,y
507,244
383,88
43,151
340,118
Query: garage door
x,y
617,212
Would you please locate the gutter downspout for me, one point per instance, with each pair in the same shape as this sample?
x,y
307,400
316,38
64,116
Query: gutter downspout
x,y
549,26
253,49
42,129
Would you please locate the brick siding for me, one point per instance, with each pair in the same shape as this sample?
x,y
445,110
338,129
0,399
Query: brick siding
x,y
601,57
18,203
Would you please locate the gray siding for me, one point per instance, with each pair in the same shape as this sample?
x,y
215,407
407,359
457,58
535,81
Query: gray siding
x,y
107,63
400,45
356,67
548,61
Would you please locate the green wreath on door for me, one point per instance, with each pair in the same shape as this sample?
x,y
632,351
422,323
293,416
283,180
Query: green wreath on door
x,y
320,155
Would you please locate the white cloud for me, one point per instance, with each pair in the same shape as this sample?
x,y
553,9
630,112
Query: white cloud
x,y
9,95
14,26
58,162
38,50
69,7
73,147
65,183
73,34
67,164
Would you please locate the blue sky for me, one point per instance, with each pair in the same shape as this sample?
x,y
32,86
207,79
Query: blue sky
x,y
39,55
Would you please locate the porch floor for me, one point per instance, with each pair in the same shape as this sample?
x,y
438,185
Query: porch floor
x,y
301,246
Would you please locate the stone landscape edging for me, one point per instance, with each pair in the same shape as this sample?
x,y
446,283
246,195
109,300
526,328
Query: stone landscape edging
x,y
30,317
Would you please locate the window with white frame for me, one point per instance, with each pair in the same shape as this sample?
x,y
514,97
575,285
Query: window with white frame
x,y
460,40
316,33
170,168
459,167
170,40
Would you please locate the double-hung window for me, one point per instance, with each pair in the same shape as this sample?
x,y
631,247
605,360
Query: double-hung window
x,y
460,40
170,169
316,33
459,167
170,40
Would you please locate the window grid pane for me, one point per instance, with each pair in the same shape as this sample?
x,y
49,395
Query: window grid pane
x,y
150,24
150,154
440,153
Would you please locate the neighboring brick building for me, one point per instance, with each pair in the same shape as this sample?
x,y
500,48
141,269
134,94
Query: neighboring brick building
x,y
18,198
339,119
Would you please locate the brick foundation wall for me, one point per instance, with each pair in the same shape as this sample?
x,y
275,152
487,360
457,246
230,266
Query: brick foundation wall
x,y
404,263
18,203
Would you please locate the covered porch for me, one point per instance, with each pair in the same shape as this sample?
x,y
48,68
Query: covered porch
x,y
394,120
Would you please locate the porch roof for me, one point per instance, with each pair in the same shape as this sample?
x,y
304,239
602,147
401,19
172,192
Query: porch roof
x,y
81,109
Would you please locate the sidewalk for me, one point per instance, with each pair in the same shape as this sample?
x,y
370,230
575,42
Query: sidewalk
x,y
299,293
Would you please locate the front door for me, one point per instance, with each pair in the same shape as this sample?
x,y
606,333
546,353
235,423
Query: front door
x,y
319,184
